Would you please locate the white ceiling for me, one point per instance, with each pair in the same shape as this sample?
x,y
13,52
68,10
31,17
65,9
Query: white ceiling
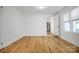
x,y
34,10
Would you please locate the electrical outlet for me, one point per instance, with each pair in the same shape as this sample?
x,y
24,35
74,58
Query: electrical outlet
x,y
1,43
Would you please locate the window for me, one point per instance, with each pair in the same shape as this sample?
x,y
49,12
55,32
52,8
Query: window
x,y
71,20
66,22
67,26
76,26
75,19
75,13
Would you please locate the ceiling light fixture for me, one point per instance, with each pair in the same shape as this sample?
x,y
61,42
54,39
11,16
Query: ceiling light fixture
x,y
41,7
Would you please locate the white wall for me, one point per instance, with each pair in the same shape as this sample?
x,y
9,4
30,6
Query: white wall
x,y
69,36
0,28
11,25
52,24
35,24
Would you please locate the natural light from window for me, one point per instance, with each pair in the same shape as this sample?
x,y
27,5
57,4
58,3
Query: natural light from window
x,y
71,20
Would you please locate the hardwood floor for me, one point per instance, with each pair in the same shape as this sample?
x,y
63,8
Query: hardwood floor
x,y
40,44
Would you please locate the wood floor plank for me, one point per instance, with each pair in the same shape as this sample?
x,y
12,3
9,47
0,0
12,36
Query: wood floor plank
x,y
40,44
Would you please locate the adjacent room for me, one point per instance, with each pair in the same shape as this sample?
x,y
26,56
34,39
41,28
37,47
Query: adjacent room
x,y
39,29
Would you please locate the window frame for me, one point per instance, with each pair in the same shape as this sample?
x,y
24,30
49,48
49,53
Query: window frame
x,y
68,21
71,20
73,25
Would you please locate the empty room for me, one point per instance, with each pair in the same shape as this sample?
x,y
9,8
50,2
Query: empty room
x,y
39,29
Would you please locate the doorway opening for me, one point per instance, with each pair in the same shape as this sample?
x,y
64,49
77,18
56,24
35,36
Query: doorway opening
x,y
48,28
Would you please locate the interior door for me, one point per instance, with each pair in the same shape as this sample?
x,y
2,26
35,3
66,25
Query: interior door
x,y
57,25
